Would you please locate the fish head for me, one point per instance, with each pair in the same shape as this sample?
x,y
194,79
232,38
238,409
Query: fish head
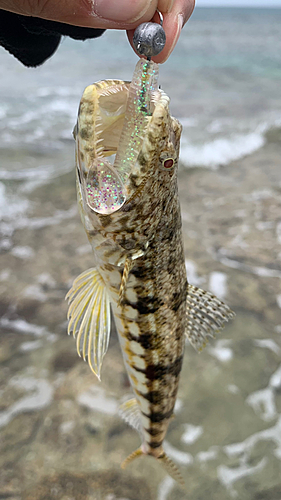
x,y
144,191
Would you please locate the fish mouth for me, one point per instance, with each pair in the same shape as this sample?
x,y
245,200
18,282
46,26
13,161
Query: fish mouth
x,y
110,116
97,133
113,120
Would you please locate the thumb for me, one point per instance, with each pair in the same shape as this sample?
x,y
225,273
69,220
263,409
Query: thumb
x,y
116,14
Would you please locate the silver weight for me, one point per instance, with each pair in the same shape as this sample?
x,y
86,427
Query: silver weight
x,y
149,39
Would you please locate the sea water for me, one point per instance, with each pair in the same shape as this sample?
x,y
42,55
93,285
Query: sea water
x,y
223,79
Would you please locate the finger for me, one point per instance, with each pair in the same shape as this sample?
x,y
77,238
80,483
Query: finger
x,y
173,23
165,5
115,14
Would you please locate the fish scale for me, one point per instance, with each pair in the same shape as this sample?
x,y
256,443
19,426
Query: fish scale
x,y
139,258
168,320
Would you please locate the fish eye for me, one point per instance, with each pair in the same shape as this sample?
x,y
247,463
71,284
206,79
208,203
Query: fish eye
x,y
168,158
168,164
167,161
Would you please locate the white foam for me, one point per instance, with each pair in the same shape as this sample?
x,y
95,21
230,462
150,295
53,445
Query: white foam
x,y
191,271
5,243
58,90
229,475
67,427
60,106
178,406
205,456
188,122
275,380
259,194
41,397
5,274
9,208
165,488
52,337
264,272
218,284
3,111
23,119
43,172
47,280
221,151
35,292
192,433
96,400
14,223
180,457
264,225
268,344
245,447
263,403
22,326
23,252
219,125
30,346
233,389
84,249
221,351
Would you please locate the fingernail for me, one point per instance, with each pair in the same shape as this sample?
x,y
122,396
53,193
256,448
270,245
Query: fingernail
x,y
176,37
180,21
120,10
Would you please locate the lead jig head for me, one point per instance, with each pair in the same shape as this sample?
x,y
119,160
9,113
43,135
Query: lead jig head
x,y
149,38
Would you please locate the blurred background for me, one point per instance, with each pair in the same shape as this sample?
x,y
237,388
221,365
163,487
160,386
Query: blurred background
x,y
60,434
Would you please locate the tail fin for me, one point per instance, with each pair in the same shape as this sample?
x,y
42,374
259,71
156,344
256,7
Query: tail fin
x,y
172,469
167,463
130,458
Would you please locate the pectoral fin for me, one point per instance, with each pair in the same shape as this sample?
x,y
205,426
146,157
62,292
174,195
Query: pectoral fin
x,y
89,317
205,316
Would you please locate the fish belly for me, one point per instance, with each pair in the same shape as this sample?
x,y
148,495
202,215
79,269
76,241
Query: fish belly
x,y
150,324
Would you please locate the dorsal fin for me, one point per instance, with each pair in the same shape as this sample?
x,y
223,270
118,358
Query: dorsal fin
x,y
205,316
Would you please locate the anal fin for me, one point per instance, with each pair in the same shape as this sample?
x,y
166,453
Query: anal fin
x,y
205,316
130,412
89,317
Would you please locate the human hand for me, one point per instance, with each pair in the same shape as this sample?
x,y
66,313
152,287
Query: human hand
x,y
110,14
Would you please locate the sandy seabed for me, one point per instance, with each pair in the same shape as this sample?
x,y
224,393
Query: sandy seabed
x,y
60,434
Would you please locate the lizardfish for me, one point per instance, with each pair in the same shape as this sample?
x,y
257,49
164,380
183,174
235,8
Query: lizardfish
x,y
130,210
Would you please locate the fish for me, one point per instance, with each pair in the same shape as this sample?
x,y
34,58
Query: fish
x,y
127,154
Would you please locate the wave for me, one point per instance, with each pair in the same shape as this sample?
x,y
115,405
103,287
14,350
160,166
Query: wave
x,y
221,151
48,121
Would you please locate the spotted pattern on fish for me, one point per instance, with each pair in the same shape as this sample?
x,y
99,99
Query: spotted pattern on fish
x,y
139,252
